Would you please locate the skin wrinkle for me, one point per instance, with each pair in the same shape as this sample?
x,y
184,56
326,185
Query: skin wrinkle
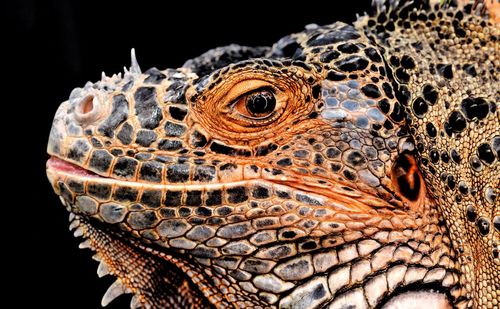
x,y
371,182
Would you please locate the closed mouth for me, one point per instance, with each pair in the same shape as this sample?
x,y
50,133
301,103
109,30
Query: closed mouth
x,y
62,166
338,197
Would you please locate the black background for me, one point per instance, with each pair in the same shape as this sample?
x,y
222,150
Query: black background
x,y
49,48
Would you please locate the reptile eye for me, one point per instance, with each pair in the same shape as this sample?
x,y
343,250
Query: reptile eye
x,y
261,103
257,105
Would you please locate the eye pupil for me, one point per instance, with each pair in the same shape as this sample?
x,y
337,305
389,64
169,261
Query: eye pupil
x,y
261,103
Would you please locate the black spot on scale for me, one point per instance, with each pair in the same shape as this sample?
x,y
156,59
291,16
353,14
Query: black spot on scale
x,y
177,113
430,94
388,90
214,198
450,181
198,139
352,63
193,198
483,225
173,198
384,106
455,156
463,188
146,107
119,113
403,95
65,192
151,198
328,56
419,107
316,90
78,150
284,162
227,150
125,134
470,69
100,191
371,91
178,173
76,186
307,199
155,76
169,144
309,245
334,76
125,167
174,129
476,164
116,152
343,34
496,223
289,234
260,192
356,158
431,130
471,213
445,157
96,142
398,114
151,171
265,149
204,173
145,137
126,194
485,153
319,291
457,122
402,75
237,195
475,108
372,54
445,70
348,48
434,155
100,160
495,143
349,174
407,62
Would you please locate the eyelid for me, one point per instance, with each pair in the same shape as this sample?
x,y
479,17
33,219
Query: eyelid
x,y
248,94
245,88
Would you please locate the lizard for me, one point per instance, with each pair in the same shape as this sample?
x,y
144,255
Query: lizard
x,y
346,166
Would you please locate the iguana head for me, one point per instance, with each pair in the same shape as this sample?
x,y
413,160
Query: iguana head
x,y
283,176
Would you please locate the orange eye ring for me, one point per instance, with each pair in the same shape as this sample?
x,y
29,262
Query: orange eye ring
x,y
251,106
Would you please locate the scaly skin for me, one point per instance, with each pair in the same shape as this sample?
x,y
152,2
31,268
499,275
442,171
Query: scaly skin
x,y
345,165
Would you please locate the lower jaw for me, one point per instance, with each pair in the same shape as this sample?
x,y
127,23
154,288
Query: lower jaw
x,y
159,280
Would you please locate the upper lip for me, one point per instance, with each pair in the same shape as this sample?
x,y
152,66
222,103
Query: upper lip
x,y
340,199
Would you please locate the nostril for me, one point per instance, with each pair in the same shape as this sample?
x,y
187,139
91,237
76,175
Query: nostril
x,y
87,105
87,110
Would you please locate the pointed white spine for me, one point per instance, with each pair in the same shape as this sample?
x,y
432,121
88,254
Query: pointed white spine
x,y
102,270
85,244
78,232
115,290
74,224
134,65
135,303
